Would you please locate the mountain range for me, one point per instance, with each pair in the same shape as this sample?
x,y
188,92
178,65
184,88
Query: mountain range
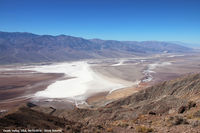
x,y
22,47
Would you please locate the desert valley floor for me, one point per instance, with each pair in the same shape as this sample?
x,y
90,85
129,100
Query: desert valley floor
x,y
88,83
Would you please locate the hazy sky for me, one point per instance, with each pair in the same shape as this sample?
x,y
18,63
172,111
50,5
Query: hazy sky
x,y
167,20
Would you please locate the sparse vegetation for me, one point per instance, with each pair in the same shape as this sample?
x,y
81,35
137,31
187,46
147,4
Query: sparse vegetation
x,y
144,129
177,120
109,129
121,123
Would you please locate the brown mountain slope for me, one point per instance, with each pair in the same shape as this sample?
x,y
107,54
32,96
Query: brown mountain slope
x,y
26,118
163,107
171,106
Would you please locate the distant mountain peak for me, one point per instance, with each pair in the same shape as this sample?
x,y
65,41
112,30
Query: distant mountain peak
x,y
16,47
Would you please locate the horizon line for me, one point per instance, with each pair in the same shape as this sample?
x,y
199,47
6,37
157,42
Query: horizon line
x,y
171,41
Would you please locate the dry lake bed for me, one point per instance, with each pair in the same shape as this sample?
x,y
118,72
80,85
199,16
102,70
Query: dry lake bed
x,y
88,83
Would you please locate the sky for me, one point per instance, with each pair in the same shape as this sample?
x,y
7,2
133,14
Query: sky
x,y
131,20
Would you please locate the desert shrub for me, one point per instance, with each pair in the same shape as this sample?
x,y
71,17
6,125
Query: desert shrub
x,y
189,116
121,123
196,114
144,129
109,129
177,120
191,104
